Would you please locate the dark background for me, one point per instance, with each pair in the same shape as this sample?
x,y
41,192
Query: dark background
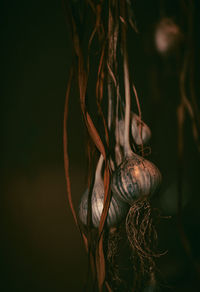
x,y
41,249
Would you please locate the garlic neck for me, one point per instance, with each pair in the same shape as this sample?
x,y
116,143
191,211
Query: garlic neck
x,y
98,176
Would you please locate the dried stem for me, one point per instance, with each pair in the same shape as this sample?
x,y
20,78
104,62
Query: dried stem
x,y
113,29
127,147
65,145
118,154
110,66
140,116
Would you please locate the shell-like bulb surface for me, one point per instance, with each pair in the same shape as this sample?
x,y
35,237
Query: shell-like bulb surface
x,y
135,177
136,124
116,212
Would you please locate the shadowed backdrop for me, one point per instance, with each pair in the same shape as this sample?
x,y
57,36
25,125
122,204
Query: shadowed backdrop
x,y
41,249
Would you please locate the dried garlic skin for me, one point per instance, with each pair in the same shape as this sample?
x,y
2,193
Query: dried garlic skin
x,y
135,177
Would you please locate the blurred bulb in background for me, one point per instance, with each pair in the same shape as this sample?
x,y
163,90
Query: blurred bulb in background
x,y
169,198
167,35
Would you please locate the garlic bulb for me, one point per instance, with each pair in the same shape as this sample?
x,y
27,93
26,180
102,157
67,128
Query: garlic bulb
x,y
167,35
136,124
116,212
117,209
135,177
